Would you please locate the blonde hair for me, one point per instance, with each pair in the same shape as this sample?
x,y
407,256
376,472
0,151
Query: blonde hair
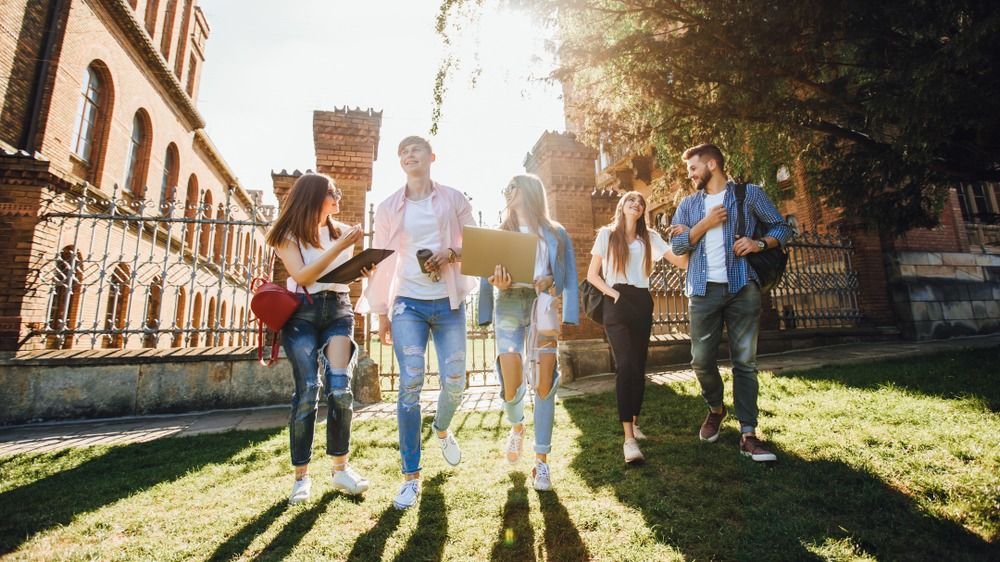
x,y
534,204
413,139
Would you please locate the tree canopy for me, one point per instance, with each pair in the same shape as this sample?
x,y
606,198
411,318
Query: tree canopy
x,y
888,104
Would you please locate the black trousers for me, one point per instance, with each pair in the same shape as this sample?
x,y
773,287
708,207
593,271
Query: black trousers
x,y
628,324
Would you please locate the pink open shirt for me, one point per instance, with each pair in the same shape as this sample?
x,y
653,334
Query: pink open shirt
x,y
454,211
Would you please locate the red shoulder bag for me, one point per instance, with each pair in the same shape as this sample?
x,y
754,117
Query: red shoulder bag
x,y
273,305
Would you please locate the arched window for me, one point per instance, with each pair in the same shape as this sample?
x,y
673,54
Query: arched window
x,y
151,13
241,323
168,28
116,306
222,325
191,204
246,251
137,156
65,306
168,183
230,243
153,303
205,236
89,114
210,325
220,233
181,304
195,338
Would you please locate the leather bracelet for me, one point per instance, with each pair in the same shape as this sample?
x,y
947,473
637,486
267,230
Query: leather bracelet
x,y
452,256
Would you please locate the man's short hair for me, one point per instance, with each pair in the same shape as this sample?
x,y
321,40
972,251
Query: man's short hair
x,y
706,151
413,139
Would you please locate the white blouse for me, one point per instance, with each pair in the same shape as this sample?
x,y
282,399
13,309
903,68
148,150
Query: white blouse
x,y
634,273
310,254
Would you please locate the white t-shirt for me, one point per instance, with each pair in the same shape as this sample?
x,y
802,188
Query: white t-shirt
x,y
311,254
635,273
541,258
715,244
420,231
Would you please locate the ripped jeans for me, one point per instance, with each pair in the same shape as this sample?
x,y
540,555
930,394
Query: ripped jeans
x,y
412,321
512,316
304,338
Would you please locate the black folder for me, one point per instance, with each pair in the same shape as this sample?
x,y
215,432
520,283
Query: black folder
x,y
351,269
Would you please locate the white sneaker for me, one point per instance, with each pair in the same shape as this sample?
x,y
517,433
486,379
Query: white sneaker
x,y
639,435
407,495
541,479
632,452
300,491
515,443
450,449
349,481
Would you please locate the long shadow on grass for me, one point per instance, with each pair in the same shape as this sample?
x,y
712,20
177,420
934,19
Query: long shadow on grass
x,y
709,502
562,540
957,374
122,471
516,540
371,544
428,539
238,543
294,530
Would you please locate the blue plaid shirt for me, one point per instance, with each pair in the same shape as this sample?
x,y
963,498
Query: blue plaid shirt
x,y
692,209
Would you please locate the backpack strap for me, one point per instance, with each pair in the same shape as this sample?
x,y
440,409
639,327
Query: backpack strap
x,y
741,202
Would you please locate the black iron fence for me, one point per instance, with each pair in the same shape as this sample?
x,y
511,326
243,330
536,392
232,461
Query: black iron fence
x,y
819,288
131,273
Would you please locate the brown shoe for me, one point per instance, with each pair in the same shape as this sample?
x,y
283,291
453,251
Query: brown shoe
x,y
709,431
752,447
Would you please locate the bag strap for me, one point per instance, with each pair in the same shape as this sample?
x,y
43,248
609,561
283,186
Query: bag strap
x,y
260,346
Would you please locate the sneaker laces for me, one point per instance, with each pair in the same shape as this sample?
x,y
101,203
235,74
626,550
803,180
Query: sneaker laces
x,y
412,485
541,470
514,441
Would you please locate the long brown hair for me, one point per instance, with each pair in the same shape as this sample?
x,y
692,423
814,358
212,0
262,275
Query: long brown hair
x,y
618,244
535,205
301,212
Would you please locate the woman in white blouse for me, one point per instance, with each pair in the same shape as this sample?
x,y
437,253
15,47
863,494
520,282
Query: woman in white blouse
x,y
310,243
625,251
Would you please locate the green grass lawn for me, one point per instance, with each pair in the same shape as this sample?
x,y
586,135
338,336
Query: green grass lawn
x,y
886,461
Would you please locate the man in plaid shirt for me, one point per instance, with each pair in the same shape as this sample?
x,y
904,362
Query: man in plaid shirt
x,y
722,288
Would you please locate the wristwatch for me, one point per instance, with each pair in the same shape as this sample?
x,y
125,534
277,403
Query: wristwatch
x,y
762,245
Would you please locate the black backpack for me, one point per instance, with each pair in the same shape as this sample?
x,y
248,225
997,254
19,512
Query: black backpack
x,y
770,264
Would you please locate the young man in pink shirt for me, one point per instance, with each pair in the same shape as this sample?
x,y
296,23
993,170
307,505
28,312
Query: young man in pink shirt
x,y
414,300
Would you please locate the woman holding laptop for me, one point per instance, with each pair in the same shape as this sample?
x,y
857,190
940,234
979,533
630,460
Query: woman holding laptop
x,y
527,322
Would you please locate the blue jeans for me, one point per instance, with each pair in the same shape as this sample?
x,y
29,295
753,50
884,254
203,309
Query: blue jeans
x,y
512,313
741,315
412,321
304,338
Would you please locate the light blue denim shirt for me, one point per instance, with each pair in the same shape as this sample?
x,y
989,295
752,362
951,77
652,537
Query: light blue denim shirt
x,y
758,209
563,276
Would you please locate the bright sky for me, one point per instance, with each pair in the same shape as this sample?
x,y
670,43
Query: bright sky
x,y
270,64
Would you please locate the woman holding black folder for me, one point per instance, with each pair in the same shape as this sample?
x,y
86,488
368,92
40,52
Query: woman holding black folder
x,y
310,243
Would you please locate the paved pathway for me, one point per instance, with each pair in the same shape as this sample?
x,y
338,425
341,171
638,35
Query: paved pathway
x,y
53,436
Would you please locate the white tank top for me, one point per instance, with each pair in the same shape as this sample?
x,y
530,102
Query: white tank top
x,y
311,254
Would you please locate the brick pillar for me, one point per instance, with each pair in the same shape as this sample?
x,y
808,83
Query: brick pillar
x,y
566,167
26,186
282,183
869,262
346,142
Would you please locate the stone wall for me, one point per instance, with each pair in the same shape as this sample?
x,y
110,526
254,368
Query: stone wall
x,y
944,294
98,384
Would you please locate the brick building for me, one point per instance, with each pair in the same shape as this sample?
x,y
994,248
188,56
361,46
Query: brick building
x,y
928,283
120,222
